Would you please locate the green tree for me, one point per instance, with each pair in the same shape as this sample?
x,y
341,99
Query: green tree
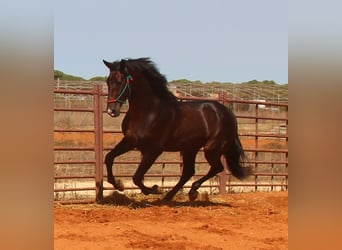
x,y
98,78
62,76
58,74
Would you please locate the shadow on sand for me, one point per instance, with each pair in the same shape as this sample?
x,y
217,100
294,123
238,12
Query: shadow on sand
x,y
141,201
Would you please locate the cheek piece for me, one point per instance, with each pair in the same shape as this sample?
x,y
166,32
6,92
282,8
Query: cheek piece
x,y
129,79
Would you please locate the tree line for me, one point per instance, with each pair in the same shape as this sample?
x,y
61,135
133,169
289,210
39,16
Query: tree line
x,y
66,77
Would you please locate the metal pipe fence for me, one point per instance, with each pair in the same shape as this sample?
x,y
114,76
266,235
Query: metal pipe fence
x,y
79,168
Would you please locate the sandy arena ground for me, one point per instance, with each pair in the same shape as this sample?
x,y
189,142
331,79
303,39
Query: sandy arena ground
x,y
256,220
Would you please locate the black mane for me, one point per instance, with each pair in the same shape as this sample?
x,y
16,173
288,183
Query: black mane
x,y
156,80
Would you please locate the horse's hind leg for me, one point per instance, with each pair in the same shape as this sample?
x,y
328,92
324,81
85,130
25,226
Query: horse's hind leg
x,y
146,162
122,147
188,171
213,158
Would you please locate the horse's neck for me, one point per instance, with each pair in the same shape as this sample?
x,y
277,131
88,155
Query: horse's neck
x,y
144,104
144,99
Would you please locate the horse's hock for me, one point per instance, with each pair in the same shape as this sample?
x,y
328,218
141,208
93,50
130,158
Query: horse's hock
x,y
84,133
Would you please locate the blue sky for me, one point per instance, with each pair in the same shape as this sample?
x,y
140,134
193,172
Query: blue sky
x,y
219,40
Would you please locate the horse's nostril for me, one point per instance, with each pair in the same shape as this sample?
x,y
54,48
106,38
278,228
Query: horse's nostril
x,y
110,112
113,113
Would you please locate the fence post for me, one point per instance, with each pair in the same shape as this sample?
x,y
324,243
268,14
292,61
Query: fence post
x,y
256,153
98,126
287,145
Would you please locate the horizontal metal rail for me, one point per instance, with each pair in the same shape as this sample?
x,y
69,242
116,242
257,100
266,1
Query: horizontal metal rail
x,y
74,130
74,109
64,148
75,177
74,162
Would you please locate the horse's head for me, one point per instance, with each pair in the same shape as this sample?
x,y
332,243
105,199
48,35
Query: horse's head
x,y
118,83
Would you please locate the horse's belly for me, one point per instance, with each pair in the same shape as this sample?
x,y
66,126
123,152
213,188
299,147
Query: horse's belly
x,y
189,142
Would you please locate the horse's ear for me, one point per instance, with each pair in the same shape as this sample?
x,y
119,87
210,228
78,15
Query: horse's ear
x,y
108,64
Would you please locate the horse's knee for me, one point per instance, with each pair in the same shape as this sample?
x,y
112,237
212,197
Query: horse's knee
x,y
109,159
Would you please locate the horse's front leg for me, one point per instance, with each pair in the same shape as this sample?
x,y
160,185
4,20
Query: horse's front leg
x,y
122,147
146,162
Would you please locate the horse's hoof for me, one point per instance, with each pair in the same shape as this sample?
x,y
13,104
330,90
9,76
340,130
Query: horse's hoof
x,y
193,195
119,185
156,189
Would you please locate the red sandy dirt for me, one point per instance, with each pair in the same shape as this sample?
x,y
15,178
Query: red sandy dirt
x,y
256,220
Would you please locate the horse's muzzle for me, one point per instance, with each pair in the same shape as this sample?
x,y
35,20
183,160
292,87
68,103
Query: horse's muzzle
x,y
113,112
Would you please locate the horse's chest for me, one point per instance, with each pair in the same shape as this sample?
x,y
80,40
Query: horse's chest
x,y
146,130
137,135
132,134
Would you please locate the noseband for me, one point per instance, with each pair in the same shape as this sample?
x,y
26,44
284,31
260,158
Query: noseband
x,y
129,79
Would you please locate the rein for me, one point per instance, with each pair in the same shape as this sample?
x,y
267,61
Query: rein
x,y
129,79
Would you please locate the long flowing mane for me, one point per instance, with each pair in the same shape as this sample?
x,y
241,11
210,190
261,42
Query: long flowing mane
x,y
156,80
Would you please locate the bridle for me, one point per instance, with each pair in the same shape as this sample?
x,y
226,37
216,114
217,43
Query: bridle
x,y
129,79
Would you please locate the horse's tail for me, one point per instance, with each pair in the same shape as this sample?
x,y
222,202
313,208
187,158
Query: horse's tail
x,y
234,157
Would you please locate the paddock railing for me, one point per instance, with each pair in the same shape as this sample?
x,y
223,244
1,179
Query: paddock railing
x,y
84,133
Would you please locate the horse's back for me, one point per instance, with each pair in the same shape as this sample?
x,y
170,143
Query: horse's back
x,y
207,113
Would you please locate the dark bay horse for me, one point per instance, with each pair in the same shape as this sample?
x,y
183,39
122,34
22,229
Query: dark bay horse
x,y
156,121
